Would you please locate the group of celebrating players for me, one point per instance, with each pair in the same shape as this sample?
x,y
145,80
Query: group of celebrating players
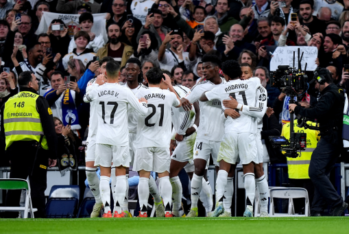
x,y
132,125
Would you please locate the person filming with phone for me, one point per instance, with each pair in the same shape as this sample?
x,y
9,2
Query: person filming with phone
x,y
328,112
64,98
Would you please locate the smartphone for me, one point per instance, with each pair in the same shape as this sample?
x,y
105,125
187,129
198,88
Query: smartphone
x,y
48,50
130,18
95,58
72,78
346,67
18,16
149,12
143,39
282,4
6,69
294,17
67,80
62,27
56,27
200,27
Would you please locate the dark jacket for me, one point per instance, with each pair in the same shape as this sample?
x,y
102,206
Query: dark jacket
x,y
239,46
136,22
315,26
46,120
60,44
328,112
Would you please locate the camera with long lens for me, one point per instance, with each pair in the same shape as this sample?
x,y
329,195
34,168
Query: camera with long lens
x,y
290,80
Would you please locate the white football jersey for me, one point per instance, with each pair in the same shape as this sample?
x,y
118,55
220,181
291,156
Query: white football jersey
x,y
92,129
132,114
211,126
140,9
112,101
249,93
181,118
154,130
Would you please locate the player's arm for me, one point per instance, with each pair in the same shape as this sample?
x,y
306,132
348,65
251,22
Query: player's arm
x,y
140,105
203,97
260,107
193,128
167,81
90,95
211,95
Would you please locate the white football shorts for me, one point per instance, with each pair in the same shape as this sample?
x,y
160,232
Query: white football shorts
x,y
152,159
259,145
90,150
112,155
203,150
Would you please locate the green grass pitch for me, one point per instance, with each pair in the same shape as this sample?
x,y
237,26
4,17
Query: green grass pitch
x,y
299,225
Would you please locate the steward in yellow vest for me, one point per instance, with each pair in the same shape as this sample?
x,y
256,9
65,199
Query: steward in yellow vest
x,y
28,140
298,167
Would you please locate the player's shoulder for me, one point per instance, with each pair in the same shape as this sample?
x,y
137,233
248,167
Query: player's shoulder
x,y
142,86
90,82
201,85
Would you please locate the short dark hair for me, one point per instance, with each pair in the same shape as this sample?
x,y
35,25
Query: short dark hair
x,y
112,68
58,21
214,59
202,8
105,59
82,34
154,75
232,69
57,72
246,65
43,35
41,3
277,19
24,78
311,3
186,73
136,61
85,16
5,23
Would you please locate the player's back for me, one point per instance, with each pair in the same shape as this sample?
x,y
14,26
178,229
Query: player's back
x,y
245,92
112,105
155,129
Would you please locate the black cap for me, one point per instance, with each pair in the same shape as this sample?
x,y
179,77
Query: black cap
x,y
177,31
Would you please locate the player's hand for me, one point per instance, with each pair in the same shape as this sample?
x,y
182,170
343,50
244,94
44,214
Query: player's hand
x,y
186,104
232,113
190,131
101,79
142,99
270,111
167,80
304,104
232,103
52,162
179,137
291,107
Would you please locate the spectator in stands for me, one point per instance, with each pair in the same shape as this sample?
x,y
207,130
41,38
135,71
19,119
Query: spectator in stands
x,y
344,17
324,14
60,39
262,7
5,93
40,8
168,12
334,74
129,36
235,44
115,48
250,31
198,17
246,56
10,16
302,36
81,51
201,44
199,69
333,9
119,16
45,42
277,25
331,56
263,74
224,20
263,31
147,47
4,29
333,27
76,68
316,40
64,99
307,19
4,7
72,7
86,24
154,23
188,79
284,11
177,74
345,33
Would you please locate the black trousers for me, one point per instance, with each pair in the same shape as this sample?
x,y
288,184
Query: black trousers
x,y
22,156
322,162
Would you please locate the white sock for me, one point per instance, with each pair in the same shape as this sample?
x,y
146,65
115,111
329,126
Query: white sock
x,y
143,193
125,205
176,192
120,193
250,188
93,183
153,189
113,185
221,183
263,190
228,194
105,192
196,185
166,192
206,195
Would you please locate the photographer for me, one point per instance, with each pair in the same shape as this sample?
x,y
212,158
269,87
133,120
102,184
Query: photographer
x,y
329,114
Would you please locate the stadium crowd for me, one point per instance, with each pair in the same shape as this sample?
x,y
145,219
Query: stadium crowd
x,y
179,37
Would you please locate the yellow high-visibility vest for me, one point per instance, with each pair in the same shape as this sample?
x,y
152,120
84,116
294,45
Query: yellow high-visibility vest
x,y
22,120
298,167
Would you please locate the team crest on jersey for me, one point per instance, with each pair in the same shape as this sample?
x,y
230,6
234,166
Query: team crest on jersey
x,y
64,160
146,9
262,97
136,3
71,57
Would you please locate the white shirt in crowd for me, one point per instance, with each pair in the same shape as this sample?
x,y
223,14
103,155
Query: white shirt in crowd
x,y
170,59
140,9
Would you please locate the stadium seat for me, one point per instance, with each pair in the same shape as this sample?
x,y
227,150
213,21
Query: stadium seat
x,y
18,184
63,201
290,194
86,205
